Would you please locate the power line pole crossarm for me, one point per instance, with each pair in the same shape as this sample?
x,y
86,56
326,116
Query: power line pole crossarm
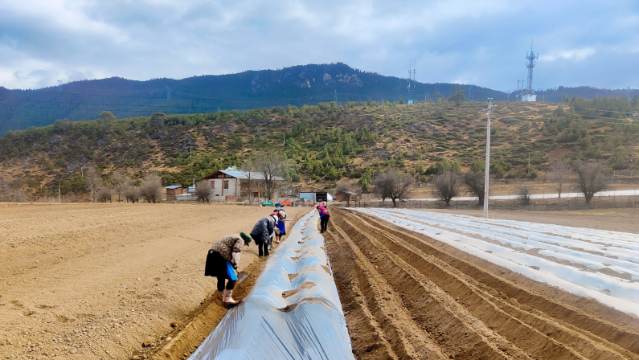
x,y
488,111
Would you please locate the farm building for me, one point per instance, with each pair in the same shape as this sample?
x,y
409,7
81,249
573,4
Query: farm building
x,y
172,191
230,184
315,196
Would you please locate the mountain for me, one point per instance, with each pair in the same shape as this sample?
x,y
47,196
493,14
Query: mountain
x,y
298,86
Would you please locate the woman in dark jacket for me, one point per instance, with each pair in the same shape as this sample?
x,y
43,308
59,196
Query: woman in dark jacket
x,y
222,261
262,231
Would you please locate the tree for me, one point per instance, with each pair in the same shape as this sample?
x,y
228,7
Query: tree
x,y
11,190
457,97
447,186
132,193
151,188
559,173
590,179
157,121
249,183
524,194
119,182
272,168
393,185
203,191
93,182
104,194
476,182
437,95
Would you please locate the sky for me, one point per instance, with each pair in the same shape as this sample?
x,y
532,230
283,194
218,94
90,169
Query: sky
x,y
580,43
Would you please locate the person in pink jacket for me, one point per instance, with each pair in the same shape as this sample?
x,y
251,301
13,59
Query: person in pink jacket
x,y
324,217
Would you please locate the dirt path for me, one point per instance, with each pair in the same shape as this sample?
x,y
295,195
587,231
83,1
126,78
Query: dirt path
x,y
112,281
408,296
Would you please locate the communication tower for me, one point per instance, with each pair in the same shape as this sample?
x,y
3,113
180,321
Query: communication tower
x,y
411,84
531,57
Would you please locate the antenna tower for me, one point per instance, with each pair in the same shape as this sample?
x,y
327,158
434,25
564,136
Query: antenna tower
x,y
411,84
532,57
335,97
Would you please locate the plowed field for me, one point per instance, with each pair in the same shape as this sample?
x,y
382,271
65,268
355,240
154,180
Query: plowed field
x,y
407,296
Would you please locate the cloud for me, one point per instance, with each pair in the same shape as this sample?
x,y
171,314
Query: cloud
x,y
481,41
572,55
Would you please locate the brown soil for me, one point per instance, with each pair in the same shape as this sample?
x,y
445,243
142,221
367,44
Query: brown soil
x,y
114,281
405,295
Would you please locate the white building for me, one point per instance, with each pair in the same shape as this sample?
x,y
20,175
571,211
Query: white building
x,y
529,97
227,184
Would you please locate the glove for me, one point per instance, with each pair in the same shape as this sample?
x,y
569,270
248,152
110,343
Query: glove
x,y
235,266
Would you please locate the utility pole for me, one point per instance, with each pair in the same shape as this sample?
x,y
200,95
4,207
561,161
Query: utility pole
x,y
488,110
528,164
335,97
59,194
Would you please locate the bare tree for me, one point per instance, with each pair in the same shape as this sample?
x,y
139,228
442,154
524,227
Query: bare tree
x,y
476,184
119,182
272,168
104,194
203,191
524,194
93,182
393,185
559,173
11,191
249,183
151,188
132,193
591,179
447,186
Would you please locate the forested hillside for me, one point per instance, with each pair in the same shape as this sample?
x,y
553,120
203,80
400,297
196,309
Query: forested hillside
x,y
325,142
298,85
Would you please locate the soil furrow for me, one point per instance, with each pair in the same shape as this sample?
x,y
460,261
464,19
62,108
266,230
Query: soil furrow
x,y
593,320
447,308
469,308
527,331
406,339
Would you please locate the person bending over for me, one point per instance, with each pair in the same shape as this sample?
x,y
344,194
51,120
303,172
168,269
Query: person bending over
x,y
221,262
262,232
324,217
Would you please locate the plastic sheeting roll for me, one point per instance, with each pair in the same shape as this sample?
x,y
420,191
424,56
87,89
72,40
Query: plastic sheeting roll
x,y
286,317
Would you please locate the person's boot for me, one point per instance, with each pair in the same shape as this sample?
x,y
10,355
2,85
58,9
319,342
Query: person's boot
x,y
222,294
228,299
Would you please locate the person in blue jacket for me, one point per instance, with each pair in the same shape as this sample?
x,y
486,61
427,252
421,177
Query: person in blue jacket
x,y
281,226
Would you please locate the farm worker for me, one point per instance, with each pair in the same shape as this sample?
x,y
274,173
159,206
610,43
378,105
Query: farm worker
x,y
222,261
324,216
281,226
262,231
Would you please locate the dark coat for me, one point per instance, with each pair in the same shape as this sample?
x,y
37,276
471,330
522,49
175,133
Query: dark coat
x,y
263,229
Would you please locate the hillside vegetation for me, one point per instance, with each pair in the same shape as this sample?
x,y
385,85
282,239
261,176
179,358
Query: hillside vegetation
x,y
324,143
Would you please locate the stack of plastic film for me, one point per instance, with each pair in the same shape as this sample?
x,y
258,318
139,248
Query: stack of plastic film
x,y
293,310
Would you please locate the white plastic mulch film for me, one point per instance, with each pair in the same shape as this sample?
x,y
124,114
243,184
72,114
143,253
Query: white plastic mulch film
x,y
286,317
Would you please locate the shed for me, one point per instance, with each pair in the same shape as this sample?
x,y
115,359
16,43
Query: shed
x,y
172,191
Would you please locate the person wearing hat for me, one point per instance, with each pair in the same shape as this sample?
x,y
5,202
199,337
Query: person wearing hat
x,y
262,231
222,261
